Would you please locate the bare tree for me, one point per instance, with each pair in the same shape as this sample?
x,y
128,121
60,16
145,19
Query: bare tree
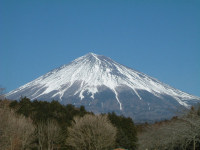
x,y
26,132
2,92
40,134
191,130
54,135
16,131
49,135
91,133
176,133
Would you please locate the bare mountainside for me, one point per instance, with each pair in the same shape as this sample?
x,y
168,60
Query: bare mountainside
x,y
103,85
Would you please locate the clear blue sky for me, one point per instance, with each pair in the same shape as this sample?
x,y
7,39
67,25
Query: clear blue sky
x,y
160,38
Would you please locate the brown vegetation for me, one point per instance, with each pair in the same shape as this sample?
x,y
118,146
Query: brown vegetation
x,y
40,125
91,133
2,91
179,133
15,130
48,134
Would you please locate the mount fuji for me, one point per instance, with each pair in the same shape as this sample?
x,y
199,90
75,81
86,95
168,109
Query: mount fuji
x,y
103,85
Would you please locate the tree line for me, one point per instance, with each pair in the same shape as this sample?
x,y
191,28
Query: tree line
x,y
41,125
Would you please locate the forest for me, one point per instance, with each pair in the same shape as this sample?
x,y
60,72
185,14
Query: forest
x,y
41,125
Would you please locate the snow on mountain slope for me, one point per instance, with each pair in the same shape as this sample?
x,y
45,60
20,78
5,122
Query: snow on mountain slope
x,y
92,71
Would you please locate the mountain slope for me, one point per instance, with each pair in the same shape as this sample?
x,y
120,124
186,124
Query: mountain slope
x,y
103,85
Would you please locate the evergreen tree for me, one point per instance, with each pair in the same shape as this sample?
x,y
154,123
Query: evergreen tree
x,y
126,131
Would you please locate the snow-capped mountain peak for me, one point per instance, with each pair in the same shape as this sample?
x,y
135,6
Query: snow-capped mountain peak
x,y
89,75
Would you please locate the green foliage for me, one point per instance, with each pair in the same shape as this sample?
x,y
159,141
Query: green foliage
x,y
198,110
42,111
126,131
